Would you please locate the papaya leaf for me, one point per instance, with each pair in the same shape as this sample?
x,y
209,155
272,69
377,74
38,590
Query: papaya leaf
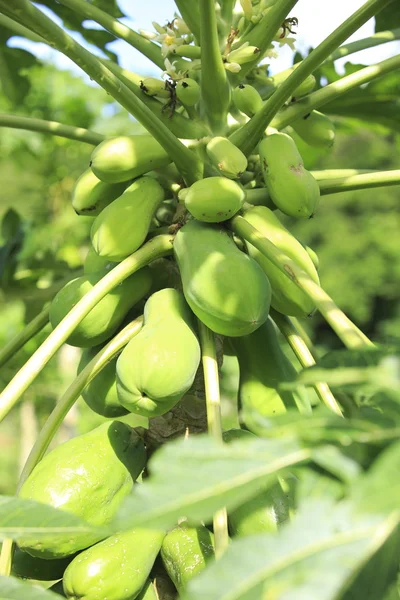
x,y
12,588
388,18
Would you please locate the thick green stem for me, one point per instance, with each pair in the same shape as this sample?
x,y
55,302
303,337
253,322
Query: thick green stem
x,y
189,10
151,50
249,135
382,37
155,248
52,127
189,165
348,332
20,30
24,336
305,358
213,403
215,90
359,182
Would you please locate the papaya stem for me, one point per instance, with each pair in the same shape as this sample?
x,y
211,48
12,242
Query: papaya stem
x,y
20,30
249,135
347,331
24,336
382,37
189,10
155,248
325,174
40,125
26,13
305,358
360,182
213,404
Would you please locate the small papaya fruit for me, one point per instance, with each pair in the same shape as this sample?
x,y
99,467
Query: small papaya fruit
x,y
25,566
214,199
90,195
94,263
226,157
88,476
116,568
247,99
244,54
305,86
316,129
154,87
127,157
188,91
158,366
225,288
185,552
292,188
263,366
103,320
122,227
287,298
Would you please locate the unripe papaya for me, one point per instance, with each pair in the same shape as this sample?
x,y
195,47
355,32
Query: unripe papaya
x,y
214,199
263,366
90,195
304,88
188,91
122,227
292,188
247,99
103,320
25,566
226,157
116,568
158,366
185,552
313,255
225,288
154,87
127,157
245,53
88,476
287,298
316,129
94,263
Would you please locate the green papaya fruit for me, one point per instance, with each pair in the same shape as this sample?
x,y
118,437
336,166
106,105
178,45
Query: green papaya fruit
x,y
90,195
304,88
158,366
116,568
263,513
292,188
185,552
316,129
247,99
244,54
122,227
148,592
103,320
263,366
88,476
127,157
313,255
225,288
25,566
226,157
154,87
188,91
287,298
95,263
57,588
214,199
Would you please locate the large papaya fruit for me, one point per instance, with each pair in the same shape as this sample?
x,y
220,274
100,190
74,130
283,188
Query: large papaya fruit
x,y
185,552
287,298
292,188
116,568
226,157
94,263
316,129
122,227
263,366
90,195
225,288
88,476
103,320
214,199
127,157
25,566
158,366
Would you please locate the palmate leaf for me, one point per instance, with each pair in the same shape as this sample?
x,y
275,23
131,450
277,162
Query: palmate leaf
x,y
15,589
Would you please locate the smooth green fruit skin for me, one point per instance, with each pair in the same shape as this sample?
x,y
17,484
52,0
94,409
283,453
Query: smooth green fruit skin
x,y
95,263
116,568
122,227
247,99
287,298
225,288
214,199
25,566
127,157
101,393
226,157
88,476
292,188
103,320
158,365
304,88
188,91
90,195
185,552
316,129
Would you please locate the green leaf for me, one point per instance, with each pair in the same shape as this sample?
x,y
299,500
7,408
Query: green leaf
x,y
15,589
388,18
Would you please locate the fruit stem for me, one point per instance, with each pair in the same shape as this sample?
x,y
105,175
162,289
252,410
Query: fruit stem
x,y
325,174
213,404
348,332
155,248
305,358
67,131
24,336
249,135
360,182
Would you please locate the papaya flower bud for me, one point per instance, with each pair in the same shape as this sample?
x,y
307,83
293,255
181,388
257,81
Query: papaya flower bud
x,y
244,54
